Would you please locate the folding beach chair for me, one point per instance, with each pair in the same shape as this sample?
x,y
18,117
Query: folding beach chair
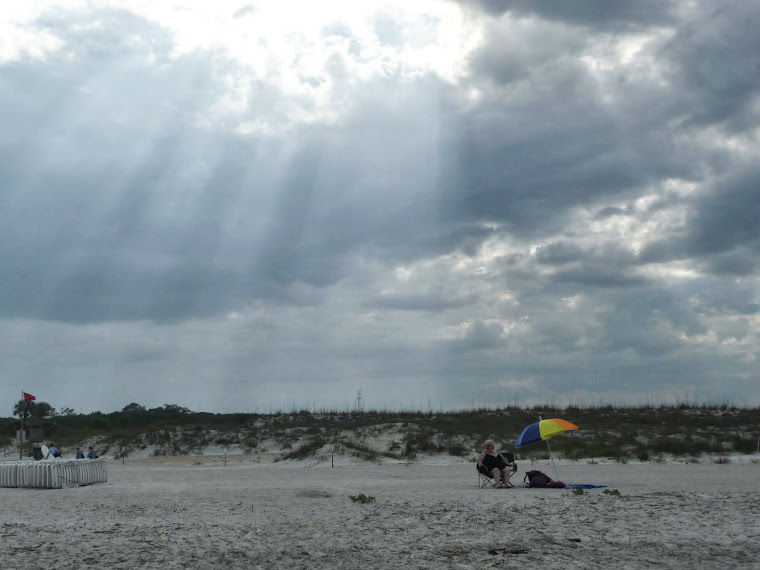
x,y
484,479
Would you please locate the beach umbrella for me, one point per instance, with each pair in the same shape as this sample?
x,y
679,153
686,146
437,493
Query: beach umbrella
x,y
542,430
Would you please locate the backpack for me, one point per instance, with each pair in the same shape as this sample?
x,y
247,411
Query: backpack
x,y
539,479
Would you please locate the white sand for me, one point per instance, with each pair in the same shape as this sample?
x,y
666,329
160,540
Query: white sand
x,y
197,513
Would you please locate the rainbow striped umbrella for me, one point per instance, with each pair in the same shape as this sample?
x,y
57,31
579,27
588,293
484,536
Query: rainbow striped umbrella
x,y
542,430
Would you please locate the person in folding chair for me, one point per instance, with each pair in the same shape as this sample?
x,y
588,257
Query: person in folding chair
x,y
494,469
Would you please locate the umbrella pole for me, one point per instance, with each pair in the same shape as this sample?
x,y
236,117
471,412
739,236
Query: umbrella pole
x,y
552,458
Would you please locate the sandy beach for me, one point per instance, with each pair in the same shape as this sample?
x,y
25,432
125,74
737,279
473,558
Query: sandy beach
x,y
198,513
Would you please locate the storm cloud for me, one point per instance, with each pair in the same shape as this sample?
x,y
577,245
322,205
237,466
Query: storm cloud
x,y
243,207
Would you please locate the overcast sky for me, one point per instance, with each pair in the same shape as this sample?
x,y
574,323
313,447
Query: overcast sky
x,y
238,206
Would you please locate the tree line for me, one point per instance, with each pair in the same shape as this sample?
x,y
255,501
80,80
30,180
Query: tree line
x,y
42,415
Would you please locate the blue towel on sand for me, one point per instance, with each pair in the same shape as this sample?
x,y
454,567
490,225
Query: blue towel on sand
x,y
583,486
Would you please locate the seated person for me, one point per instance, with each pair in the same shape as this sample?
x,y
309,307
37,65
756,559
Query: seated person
x,y
494,465
52,451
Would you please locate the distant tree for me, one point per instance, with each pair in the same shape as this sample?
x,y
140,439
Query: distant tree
x,y
133,407
67,412
42,410
21,408
176,408
100,424
33,409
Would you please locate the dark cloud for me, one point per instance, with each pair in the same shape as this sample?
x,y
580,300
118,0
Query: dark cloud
x,y
721,227
587,13
598,277
727,217
743,262
716,296
559,253
416,302
715,62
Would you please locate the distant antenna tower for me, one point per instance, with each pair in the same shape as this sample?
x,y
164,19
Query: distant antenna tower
x,y
359,401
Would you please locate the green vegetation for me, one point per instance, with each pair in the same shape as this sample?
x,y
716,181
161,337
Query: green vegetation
x,y
620,434
362,498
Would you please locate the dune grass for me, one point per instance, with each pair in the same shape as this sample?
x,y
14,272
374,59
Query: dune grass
x,y
643,433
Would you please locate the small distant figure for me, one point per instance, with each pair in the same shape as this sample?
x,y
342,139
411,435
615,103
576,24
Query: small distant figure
x,y
80,454
53,451
91,453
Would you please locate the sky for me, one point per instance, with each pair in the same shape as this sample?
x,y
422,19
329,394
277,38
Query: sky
x,y
253,207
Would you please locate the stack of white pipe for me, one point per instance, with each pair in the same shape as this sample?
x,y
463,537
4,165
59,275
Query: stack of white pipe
x,y
53,474
8,475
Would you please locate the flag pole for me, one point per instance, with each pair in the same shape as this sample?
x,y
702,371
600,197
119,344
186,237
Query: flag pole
x,y
21,435
24,414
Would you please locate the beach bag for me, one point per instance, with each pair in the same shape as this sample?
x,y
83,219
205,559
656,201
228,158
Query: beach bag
x,y
537,479
540,479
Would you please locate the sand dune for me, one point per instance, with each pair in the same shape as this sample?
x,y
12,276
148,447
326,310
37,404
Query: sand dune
x,y
198,513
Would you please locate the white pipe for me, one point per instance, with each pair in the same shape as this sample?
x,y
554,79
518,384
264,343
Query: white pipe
x,y
53,474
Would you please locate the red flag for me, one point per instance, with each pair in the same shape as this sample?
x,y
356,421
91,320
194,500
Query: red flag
x,y
28,397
